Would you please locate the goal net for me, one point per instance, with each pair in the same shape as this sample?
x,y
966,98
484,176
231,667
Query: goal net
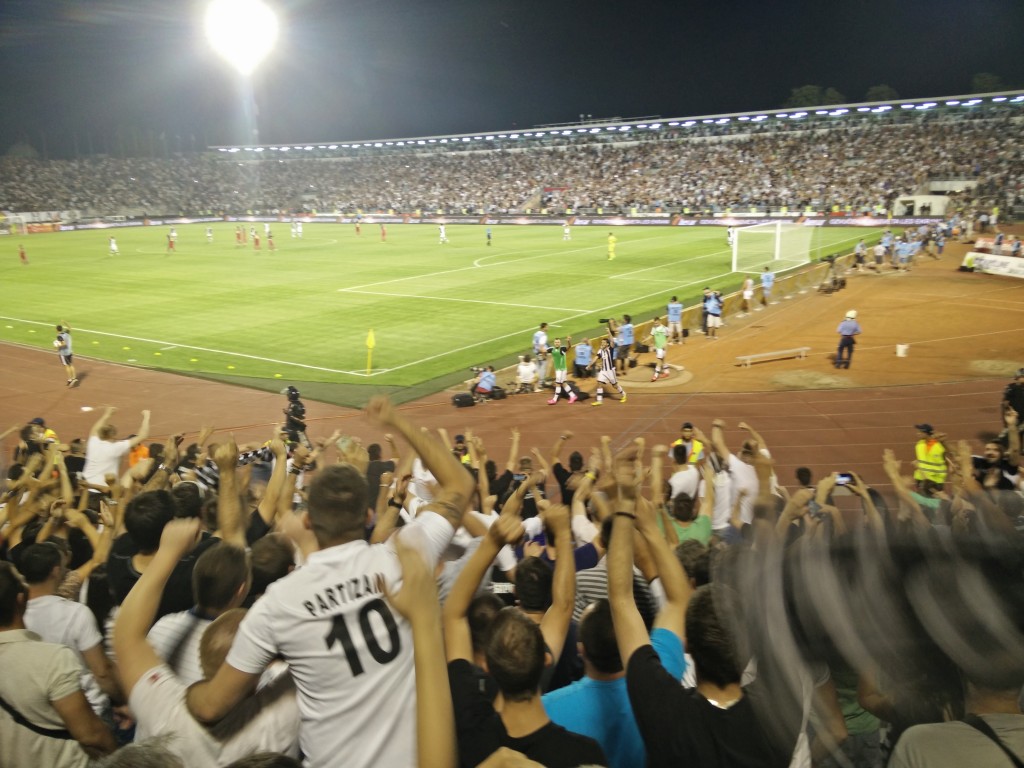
x,y
780,245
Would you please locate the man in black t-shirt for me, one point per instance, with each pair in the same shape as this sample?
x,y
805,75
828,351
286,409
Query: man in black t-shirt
x,y
375,469
713,725
515,653
515,659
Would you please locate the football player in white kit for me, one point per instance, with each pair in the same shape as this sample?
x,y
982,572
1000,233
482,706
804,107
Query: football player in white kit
x,y
113,246
350,655
566,232
444,236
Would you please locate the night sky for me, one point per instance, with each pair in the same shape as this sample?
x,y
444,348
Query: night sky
x,y
82,71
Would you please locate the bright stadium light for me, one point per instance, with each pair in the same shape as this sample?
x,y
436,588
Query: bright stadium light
x,y
241,31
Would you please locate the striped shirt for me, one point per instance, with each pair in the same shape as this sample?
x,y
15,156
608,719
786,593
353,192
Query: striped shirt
x,y
606,357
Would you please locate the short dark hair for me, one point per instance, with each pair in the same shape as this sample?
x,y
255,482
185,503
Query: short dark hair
x,y
696,561
146,516
680,454
708,639
272,559
575,461
38,561
515,655
533,584
683,507
803,476
337,503
217,575
188,499
482,610
597,633
11,585
373,451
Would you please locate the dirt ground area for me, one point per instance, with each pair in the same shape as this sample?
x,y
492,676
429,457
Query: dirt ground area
x,y
964,335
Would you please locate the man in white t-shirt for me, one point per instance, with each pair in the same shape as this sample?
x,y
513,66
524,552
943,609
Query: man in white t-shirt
x,y
265,722
220,582
350,655
104,452
743,486
66,622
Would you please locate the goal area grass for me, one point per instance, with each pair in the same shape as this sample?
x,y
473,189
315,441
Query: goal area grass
x,y
301,314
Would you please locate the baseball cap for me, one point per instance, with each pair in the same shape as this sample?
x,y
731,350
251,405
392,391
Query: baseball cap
x,y
928,428
460,438
851,315
38,420
686,425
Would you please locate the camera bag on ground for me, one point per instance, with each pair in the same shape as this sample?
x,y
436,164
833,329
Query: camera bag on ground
x,y
463,400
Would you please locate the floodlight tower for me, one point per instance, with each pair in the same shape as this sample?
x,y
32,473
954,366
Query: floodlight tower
x,y
243,32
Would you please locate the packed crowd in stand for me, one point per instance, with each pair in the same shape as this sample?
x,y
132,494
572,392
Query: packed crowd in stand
x,y
435,601
858,166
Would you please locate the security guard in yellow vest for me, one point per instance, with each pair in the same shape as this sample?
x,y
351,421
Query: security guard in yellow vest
x,y
930,455
695,446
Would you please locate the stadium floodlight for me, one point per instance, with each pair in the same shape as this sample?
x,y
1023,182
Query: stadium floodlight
x,y
241,31
999,98
952,103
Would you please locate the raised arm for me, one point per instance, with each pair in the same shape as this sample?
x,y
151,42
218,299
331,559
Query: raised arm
x,y
270,505
513,453
556,449
142,434
101,422
718,439
673,579
507,529
435,717
455,484
134,653
229,503
555,624
754,434
630,631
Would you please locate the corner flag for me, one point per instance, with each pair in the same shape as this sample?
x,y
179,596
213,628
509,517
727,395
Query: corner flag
x,y
371,342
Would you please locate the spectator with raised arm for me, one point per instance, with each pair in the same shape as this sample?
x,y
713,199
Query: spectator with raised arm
x,y
267,721
517,651
318,618
682,727
104,452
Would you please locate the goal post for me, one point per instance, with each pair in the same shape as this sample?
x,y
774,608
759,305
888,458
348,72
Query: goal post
x,y
780,245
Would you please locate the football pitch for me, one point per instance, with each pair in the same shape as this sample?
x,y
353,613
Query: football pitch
x,y
302,314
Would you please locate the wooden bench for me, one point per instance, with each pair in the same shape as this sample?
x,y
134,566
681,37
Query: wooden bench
x,y
746,360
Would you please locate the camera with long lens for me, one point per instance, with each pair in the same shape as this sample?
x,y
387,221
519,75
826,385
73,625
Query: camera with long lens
x,y
477,369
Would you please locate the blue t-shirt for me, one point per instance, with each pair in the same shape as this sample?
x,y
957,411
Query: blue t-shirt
x,y
675,312
713,305
584,354
767,280
626,333
487,380
600,709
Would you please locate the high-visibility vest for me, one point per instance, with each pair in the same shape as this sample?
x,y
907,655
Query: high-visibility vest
x,y
931,461
696,449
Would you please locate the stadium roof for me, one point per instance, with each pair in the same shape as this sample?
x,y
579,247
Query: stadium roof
x,y
618,126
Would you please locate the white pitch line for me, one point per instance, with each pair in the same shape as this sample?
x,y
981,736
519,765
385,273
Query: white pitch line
x,y
466,301
559,321
201,349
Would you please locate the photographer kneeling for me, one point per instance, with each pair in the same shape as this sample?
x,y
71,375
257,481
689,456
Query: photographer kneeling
x,y
485,382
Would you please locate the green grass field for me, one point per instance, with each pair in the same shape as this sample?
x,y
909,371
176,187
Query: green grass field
x,y
302,313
